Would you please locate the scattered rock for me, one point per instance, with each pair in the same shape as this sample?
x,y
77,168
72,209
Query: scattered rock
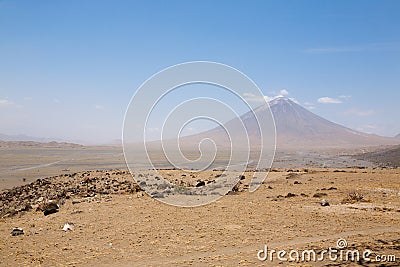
x,y
296,182
68,227
200,183
320,194
330,188
236,189
32,196
339,171
162,186
76,211
290,195
157,195
17,231
324,203
292,175
50,208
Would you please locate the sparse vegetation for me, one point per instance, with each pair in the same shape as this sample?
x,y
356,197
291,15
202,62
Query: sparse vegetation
x,y
354,197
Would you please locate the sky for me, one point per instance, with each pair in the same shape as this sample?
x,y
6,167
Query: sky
x,y
68,69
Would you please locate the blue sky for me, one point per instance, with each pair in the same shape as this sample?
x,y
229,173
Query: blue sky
x,y
69,68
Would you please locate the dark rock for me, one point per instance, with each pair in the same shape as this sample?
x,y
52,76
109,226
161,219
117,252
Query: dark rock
x,y
320,194
76,201
162,186
17,231
201,183
27,207
50,208
168,191
324,203
157,195
339,171
290,195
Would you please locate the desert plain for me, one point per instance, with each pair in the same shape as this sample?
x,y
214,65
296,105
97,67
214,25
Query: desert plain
x,y
308,205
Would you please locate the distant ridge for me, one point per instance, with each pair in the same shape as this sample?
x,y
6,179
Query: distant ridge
x,y
32,144
384,157
26,140
23,137
22,140
397,136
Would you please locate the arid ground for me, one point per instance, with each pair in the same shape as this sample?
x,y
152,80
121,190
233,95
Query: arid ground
x,y
116,224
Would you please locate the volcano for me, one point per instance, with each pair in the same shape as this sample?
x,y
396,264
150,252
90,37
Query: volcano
x,y
297,128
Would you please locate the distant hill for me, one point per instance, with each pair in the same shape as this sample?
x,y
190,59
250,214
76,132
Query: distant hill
x,y
22,140
32,144
23,137
386,157
397,136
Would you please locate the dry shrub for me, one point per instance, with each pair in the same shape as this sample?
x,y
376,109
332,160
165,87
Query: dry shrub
x,y
354,197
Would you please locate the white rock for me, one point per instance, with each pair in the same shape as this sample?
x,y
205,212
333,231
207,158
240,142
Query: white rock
x,y
68,226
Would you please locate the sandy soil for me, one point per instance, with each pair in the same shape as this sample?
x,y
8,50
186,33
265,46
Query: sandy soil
x,y
132,229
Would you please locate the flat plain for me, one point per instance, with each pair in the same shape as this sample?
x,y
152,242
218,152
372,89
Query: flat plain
x,y
115,223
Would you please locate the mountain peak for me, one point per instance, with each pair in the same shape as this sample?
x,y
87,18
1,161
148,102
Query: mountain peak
x,y
279,99
282,101
297,126
276,102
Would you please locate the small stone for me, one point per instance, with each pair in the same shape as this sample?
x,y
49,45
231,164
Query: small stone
x,y
324,203
201,183
68,227
17,231
162,186
320,194
50,208
157,195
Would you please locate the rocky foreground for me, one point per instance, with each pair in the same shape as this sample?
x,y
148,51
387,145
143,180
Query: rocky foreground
x,y
43,194
58,189
100,218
